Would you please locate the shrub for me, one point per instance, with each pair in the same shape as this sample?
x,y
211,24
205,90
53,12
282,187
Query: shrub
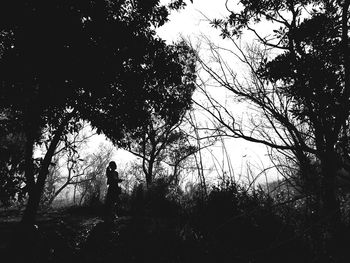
x,y
156,200
239,224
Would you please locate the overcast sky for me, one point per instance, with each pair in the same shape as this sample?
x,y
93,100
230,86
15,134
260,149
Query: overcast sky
x,y
190,23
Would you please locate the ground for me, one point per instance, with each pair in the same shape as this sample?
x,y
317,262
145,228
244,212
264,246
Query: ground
x,y
71,235
61,233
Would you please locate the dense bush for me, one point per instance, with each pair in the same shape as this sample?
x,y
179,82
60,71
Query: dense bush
x,y
156,200
166,224
231,223
243,225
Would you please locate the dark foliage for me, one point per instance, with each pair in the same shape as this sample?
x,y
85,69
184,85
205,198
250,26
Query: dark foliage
x,y
101,58
11,162
154,200
100,61
235,224
230,225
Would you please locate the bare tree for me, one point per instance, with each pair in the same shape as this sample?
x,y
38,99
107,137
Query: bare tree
x,y
268,121
162,145
68,166
298,95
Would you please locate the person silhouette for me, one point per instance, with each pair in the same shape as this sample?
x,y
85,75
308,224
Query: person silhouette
x,y
113,190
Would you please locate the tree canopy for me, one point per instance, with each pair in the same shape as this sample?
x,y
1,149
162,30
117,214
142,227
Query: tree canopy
x,y
99,60
92,56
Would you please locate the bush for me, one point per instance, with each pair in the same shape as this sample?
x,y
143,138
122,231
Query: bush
x,y
155,201
236,224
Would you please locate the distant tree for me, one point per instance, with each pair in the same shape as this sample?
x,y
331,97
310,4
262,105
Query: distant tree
x,y
161,147
98,61
93,184
180,156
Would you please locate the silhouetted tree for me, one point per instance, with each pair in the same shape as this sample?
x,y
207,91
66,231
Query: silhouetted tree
x,y
100,61
310,72
161,147
68,166
158,134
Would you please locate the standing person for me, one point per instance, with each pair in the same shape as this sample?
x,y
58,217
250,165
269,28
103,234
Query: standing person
x,y
113,190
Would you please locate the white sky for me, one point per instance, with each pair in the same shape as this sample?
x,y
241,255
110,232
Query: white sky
x,y
190,23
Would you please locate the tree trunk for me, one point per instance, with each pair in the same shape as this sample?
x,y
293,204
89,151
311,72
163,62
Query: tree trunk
x,y
37,188
330,207
75,193
149,174
32,206
29,167
58,192
330,203
36,192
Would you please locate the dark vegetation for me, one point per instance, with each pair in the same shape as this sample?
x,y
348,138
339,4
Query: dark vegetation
x,y
64,64
161,225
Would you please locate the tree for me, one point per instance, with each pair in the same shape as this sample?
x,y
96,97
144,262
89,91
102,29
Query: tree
x,y
310,73
162,145
268,120
68,166
98,61
158,134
